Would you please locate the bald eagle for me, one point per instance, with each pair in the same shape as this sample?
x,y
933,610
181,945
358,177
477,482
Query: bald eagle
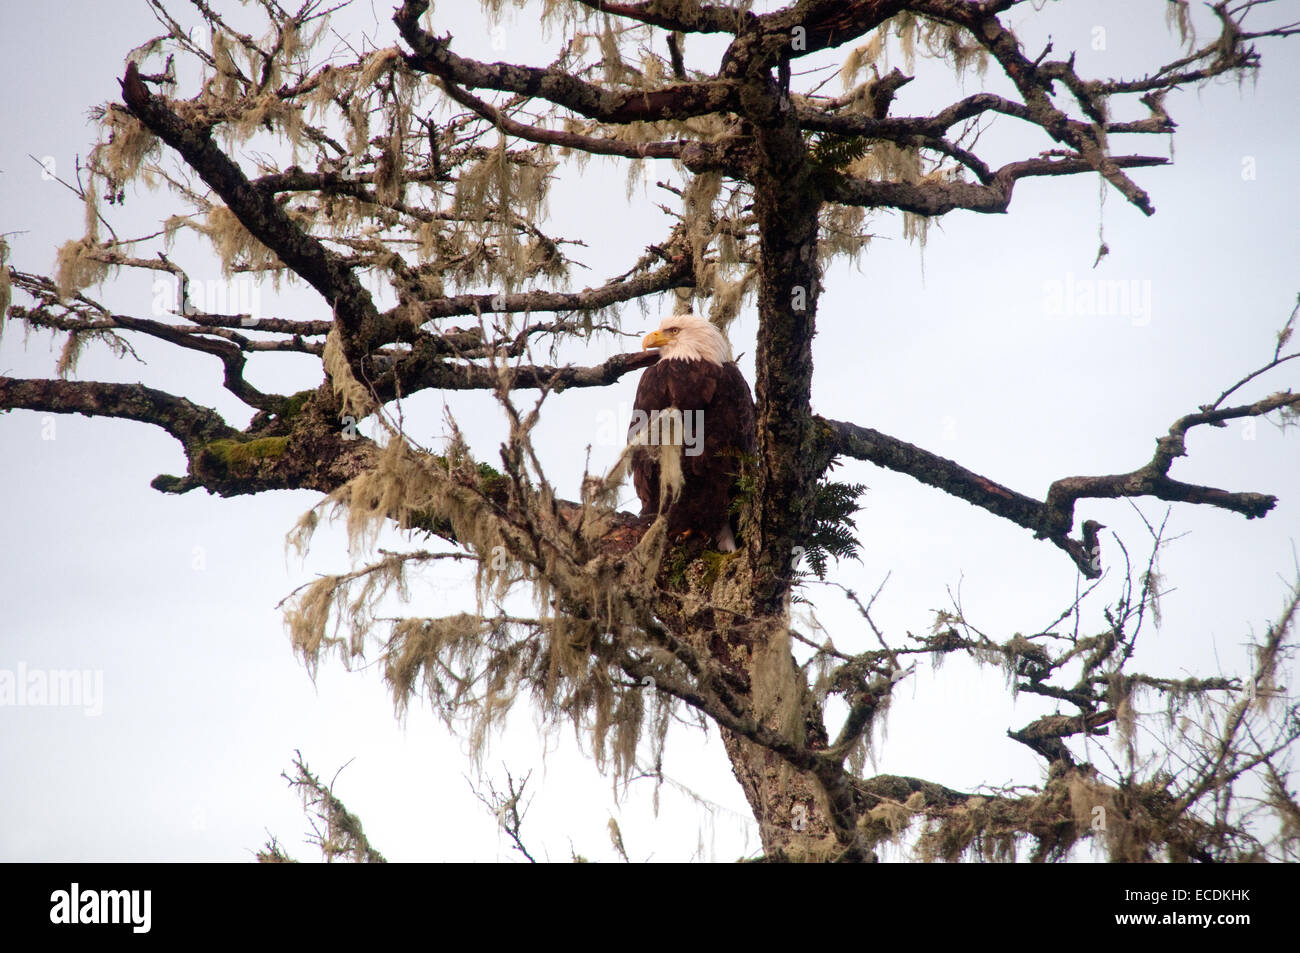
x,y
697,400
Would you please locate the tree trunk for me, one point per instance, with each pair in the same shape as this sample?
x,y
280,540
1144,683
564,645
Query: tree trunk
x,y
716,617
791,807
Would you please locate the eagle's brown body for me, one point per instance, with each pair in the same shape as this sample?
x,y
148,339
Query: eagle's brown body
x,y
718,412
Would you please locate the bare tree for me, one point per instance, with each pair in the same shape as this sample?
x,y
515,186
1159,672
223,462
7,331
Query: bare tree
x,y
426,171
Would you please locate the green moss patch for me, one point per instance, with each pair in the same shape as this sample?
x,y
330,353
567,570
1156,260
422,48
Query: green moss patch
x,y
235,456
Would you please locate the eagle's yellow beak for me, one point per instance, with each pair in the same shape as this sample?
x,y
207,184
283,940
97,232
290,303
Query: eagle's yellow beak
x,y
654,339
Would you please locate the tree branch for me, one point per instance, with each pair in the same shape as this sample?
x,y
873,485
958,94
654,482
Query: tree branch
x,y
255,207
938,197
680,101
191,424
1053,519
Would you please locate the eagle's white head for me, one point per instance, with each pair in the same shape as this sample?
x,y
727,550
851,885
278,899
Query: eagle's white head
x,y
688,337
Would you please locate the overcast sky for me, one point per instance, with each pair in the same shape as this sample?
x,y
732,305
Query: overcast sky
x,y
960,348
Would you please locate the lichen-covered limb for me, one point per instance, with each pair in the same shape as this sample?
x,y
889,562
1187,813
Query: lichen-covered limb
x,y
595,145
82,315
366,188
677,272
310,451
447,376
1034,79
819,116
939,197
322,456
896,788
682,16
993,824
1244,737
864,443
256,208
191,424
1153,479
432,54
1046,735
1053,518
1238,747
441,359
261,215
338,832
1094,668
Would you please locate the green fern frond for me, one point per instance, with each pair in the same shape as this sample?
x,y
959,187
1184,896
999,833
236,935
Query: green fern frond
x,y
832,151
834,532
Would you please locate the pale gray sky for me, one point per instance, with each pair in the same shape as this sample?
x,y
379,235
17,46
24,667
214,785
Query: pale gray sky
x,y
173,599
